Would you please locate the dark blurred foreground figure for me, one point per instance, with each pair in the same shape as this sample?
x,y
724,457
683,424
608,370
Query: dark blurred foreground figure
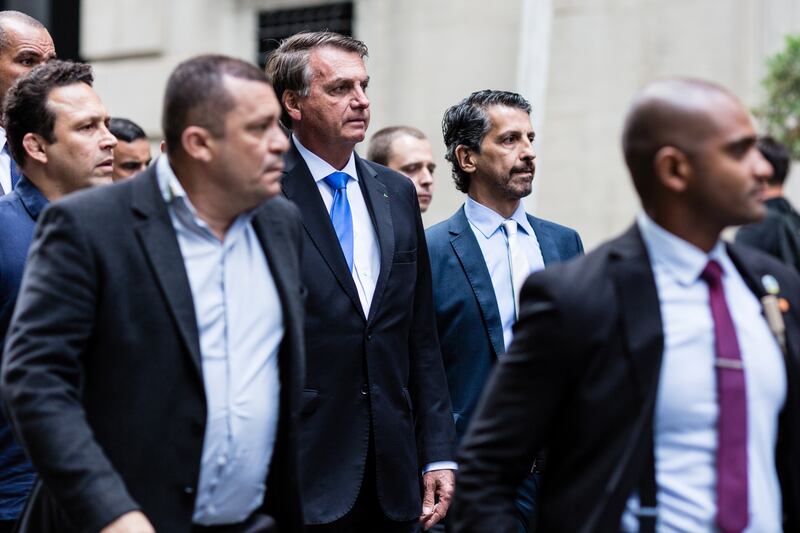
x,y
154,360
779,233
56,128
24,44
132,153
647,368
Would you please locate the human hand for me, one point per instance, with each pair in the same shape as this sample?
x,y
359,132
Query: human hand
x,y
439,486
131,522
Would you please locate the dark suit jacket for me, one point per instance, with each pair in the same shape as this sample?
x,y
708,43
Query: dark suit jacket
x,y
778,234
19,210
102,371
467,317
580,378
381,372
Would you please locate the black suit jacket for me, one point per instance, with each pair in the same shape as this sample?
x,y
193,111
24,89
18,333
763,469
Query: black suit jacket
x,y
383,371
102,371
580,379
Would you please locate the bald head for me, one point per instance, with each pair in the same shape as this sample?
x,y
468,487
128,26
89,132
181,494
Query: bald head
x,y
24,44
678,113
11,20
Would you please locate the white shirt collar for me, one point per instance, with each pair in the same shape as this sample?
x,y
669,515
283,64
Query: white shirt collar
x,y
487,220
3,137
320,169
684,260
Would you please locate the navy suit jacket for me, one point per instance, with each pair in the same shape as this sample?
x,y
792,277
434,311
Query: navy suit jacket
x,y
467,316
19,210
379,375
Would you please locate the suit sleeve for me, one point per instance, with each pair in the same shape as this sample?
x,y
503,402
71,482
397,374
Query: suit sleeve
x,y
43,371
515,415
435,431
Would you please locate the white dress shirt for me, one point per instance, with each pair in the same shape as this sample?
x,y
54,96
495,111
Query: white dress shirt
x,y
5,165
686,408
366,251
239,340
487,225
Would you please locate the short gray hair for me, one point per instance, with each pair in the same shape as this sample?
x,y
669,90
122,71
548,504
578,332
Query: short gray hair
x,y
288,68
16,16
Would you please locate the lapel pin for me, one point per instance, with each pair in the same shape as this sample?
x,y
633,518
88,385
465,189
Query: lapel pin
x,y
385,195
783,303
770,284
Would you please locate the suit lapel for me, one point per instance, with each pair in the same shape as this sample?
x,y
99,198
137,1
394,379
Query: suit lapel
x,y
546,243
300,187
271,233
640,309
469,254
752,279
377,200
156,235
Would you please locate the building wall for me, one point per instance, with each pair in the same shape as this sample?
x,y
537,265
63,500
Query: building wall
x,y
425,56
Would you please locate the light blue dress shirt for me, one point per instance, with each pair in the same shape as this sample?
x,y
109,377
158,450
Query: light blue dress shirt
x,y
5,165
240,322
686,411
487,225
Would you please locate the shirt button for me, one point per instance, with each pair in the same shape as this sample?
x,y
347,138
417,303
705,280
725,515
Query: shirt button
x,y
211,509
221,460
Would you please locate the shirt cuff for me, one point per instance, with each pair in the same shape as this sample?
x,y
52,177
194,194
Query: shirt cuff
x,y
440,465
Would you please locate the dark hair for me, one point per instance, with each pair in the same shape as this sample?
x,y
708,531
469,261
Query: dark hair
x,y
25,108
15,16
126,130
287,66
467,123
196,95
778,156
380,146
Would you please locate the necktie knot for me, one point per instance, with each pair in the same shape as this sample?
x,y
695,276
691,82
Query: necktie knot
x,y
337,180
712,273
510,227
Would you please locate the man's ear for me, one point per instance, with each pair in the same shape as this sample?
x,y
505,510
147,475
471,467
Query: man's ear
x,y
198,143
35,147
465,158
291,103
673,169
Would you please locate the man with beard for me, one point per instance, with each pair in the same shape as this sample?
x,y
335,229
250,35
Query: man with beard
x,y
483,253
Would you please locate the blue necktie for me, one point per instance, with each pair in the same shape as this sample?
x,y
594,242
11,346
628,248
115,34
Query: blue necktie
x,y
14,169
340,214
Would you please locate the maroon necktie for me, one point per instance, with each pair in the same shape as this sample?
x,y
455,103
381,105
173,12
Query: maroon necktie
x,y
732,504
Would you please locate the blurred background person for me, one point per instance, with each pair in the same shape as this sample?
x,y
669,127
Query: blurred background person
x,y
24,43
132,153
779,233
408,151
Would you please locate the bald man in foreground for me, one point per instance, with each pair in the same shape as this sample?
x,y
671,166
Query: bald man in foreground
x,y
666,399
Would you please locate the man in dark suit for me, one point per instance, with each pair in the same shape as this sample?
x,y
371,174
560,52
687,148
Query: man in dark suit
x,y
60,91
483,253
779,233
154,359
376,415
647,369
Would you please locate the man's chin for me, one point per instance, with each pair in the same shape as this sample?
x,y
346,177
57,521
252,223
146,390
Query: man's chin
x,y
94,181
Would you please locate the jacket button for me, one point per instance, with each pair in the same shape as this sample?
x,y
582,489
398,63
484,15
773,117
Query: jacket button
x,y
364,389
188,489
